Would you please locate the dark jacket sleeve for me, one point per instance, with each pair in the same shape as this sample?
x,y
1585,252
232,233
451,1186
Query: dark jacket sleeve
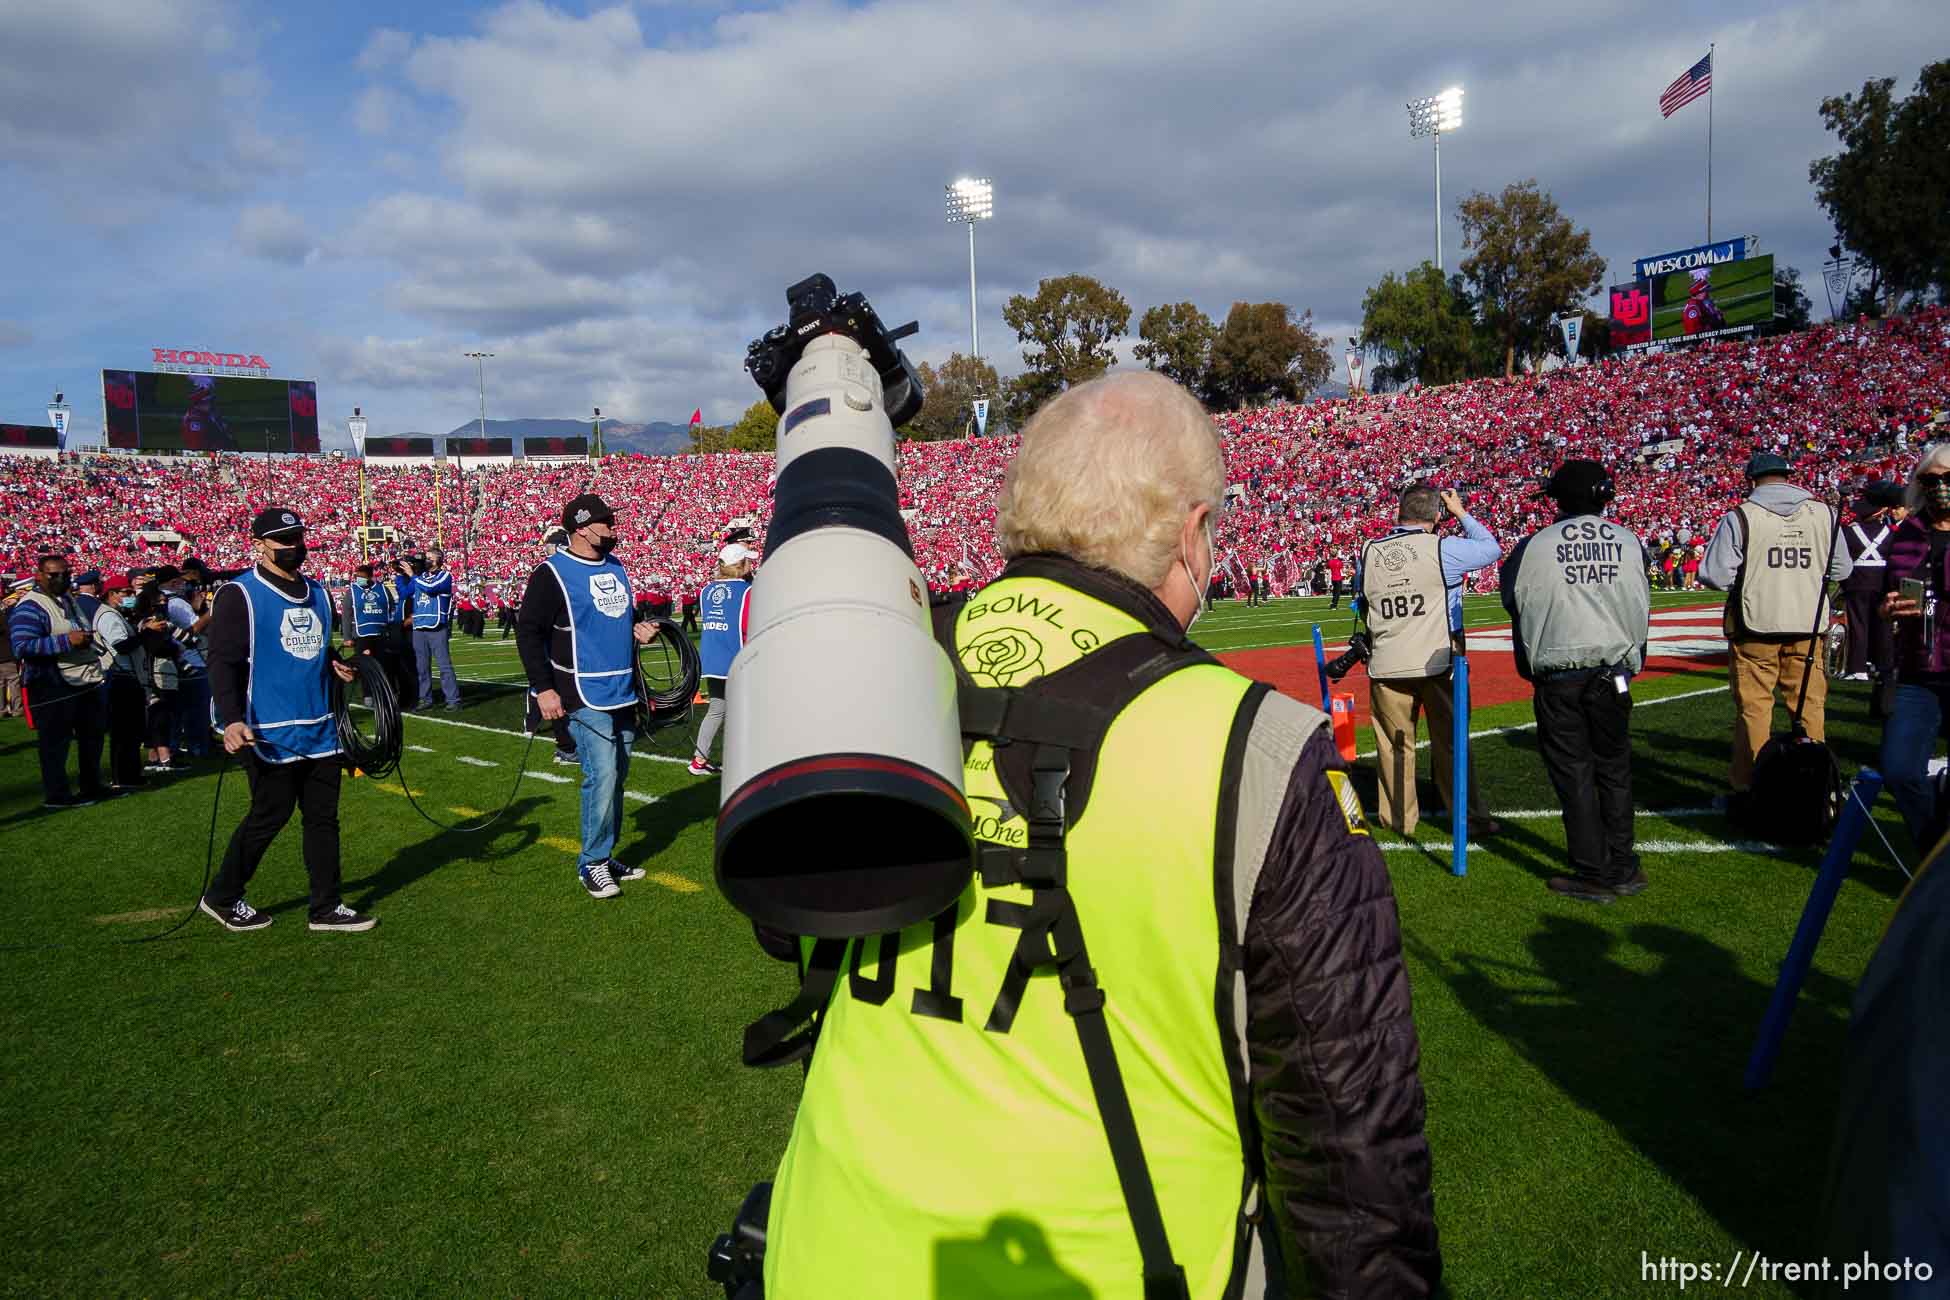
x,y
1334,1055
229,653
1506,585
541,606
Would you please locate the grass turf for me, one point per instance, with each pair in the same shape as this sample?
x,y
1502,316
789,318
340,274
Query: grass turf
x,y
509,1089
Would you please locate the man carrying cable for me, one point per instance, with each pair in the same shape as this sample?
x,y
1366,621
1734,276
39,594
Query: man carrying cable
x,y
577,638
270,650
1581,605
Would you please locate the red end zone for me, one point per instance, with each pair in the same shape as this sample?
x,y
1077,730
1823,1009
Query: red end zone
x,y
1683,640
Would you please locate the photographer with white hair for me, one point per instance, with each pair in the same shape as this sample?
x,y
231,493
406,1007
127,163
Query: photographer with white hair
x,y
1917,576
1239,919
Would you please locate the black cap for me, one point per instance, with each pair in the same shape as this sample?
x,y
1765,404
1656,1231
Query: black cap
x,y
585,510
166,573
275,522
1763,463
91,578
1576,480
194,565
1882,495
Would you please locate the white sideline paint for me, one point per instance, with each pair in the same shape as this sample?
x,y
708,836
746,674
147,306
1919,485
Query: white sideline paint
x,y
1551,814
1641,846
549,777
518,735
472,761
422,749
634,797
1529,726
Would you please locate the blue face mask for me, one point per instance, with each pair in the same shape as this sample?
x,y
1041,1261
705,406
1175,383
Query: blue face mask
x,y
127,604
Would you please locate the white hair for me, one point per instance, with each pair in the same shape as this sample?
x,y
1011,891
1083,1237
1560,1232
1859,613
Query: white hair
x,y
1107,473
1934,460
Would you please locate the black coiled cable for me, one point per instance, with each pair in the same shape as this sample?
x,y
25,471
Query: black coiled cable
x,y
375,753
663,699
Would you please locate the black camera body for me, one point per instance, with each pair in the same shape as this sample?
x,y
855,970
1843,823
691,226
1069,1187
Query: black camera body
x,y
1359,647
737,1259
815,307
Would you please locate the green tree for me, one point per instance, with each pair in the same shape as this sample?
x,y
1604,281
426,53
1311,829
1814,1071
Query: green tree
x,y
1888,190
951,391
1177,343
1792,310
1262,352
757,429
1528,263
1067,330
1421,326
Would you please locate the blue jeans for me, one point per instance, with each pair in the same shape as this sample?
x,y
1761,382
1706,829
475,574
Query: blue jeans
x,y
1916,718
191,725
429,647
603,747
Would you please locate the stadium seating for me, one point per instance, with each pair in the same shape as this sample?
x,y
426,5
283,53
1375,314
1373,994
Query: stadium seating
x,y
1313,480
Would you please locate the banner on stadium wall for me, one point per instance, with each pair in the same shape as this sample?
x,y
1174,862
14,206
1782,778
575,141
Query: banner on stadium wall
x,y
356,426
1572,328
1685,259
1631,314
57,415
1354,372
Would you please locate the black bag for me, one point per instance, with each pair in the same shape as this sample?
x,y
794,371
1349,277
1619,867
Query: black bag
x,y
1798,787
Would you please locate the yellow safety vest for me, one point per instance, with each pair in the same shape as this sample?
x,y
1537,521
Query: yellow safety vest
x,y
944,1148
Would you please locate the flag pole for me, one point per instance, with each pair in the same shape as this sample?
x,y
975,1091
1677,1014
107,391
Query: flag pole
x,y
1711,72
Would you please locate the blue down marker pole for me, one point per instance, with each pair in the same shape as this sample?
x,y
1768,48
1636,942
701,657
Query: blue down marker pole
x,y
1320,666
1814,916
1459,786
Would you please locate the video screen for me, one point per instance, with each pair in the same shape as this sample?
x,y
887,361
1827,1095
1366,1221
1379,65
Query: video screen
x,y
421,448
555,446
1730,298
1631,314
155,411
480,446
29,435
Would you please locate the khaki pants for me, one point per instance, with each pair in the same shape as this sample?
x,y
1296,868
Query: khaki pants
x,y
10,703
1754,670
1394,705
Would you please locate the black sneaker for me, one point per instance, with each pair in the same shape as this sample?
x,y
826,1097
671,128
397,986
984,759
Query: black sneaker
x,y
452,706
1632,884
68,801
238,916
343,918
597,880
567,758
1585,891
619,872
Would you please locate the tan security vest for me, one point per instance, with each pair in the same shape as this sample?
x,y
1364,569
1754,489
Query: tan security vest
x,y
1582,598
1782,588
80,665
1407,606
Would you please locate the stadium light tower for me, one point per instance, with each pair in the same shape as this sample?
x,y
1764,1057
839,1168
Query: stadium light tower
x,y
970,201
1432,117
467,506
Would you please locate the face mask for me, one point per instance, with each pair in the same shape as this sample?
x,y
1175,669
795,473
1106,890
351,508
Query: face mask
x,y
289,558
58,585
1937,494
603,545
125,605
362,583
1199,588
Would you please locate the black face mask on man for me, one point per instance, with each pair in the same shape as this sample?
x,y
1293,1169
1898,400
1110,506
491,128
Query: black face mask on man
x,y
57,584
289,558
603,545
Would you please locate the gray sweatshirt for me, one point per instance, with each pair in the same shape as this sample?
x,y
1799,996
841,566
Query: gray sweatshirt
x,y
1721,563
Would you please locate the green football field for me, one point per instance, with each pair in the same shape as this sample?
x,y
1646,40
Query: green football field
x,y
510,1089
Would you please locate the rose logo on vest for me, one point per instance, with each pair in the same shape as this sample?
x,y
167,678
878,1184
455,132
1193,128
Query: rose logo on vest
x,y
997,657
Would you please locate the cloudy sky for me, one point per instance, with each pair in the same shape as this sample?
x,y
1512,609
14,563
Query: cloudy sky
x,y
611,198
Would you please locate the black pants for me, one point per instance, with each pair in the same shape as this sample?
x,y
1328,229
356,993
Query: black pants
x,y
62,713
310,785
401,668
127,721
1336,603
1870,638
1584,731
690,618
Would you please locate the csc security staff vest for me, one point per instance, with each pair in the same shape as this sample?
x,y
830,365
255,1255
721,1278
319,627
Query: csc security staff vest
x,y
948,1143
286,700
79,665
1582,597
1782,586
721,624
601,649
370,610
1407,606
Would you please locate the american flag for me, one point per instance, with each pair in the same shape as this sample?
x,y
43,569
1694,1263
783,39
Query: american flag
x,y
1693,82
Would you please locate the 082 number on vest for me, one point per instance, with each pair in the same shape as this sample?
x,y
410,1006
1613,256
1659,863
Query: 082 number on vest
x,y
1413,606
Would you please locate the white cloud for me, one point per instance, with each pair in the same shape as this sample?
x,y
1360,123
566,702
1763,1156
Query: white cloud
x,y
384,49
373,112
274,232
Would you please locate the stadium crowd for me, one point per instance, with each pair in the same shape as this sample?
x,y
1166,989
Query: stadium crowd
x,y
1309,482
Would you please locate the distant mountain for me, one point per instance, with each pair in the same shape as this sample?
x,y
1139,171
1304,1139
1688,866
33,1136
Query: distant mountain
x,y
658,438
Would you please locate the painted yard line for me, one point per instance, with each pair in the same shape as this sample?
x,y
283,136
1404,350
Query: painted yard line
x,y
422,749
385,788
1532,726
633,796
472,761
561,844
1551,814
549,777
132,918
462,810
672,881
1641,846
520,735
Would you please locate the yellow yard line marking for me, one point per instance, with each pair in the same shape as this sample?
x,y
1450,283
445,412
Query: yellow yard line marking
x,y
671,880
561,844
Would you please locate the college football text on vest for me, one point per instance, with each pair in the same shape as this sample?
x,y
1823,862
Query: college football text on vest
x,y
287,701
1407,606
1583,600
1783,581
949,1086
